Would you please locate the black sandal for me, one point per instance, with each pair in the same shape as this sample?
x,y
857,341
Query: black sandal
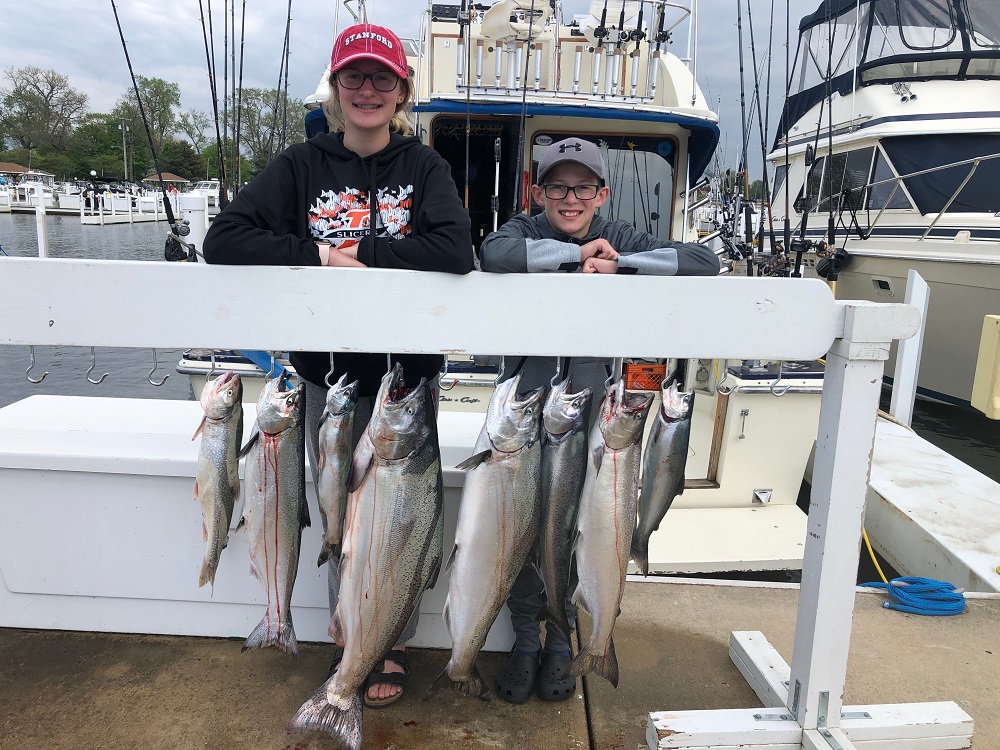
x,y
553,683
379,677
515,682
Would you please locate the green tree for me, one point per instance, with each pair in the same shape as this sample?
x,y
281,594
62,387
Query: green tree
x,y
756,190
97,145
262,121
159,100
195,125
39,109
180,158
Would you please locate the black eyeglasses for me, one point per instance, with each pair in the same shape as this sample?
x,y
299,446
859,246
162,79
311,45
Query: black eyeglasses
x,y
382,80
582,192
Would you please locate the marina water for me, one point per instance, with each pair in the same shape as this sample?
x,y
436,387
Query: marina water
x,y
966,434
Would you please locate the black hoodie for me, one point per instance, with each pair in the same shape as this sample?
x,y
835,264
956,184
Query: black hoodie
x,y
319,190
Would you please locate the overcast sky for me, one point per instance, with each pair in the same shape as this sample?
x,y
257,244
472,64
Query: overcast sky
x,y
165,40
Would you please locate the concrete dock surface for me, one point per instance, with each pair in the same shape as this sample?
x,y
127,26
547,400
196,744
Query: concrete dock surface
x,y
96,690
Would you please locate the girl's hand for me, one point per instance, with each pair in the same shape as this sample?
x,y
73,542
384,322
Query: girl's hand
x,y
344,258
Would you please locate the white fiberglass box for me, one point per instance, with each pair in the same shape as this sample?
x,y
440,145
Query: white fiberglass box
x,y
99,529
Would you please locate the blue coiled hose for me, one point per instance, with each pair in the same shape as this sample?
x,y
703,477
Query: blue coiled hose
x,y
922,596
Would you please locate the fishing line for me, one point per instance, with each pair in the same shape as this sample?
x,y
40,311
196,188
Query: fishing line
x,y
145,123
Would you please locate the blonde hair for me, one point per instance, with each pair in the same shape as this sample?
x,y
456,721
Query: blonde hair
x,y
400,122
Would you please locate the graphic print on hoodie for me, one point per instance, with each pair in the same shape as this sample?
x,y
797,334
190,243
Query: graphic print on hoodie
x,y
345,216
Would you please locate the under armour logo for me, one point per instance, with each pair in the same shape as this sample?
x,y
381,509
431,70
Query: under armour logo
x,y
575,146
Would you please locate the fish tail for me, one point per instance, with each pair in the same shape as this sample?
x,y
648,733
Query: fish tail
x,y
606,666
267,634
640,551
475,685
327,552
342,722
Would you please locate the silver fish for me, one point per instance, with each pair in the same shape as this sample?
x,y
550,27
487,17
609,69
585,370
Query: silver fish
x,y
663,467
336,430
274,508
391,551
564,466
606,522
497,527
217,481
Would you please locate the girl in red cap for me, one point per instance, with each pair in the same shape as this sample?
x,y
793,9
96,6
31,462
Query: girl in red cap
x,y
367,194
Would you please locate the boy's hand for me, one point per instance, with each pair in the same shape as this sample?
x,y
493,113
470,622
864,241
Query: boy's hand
x,y
600,265
599,248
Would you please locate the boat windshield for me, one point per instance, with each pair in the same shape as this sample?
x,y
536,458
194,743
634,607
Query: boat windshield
x,y
640,174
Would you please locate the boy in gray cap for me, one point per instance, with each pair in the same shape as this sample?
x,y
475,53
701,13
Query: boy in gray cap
x,y
569,236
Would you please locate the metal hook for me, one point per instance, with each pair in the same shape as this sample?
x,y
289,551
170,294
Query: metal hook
x,y
27,373
779,391
270,372
93,364
150,376
211,372
388,362
503,362
329,375
555,378
616,371
720,386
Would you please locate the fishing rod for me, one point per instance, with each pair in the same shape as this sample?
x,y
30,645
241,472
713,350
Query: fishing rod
x,y
237,172
519,187
282,76
177,229
210,62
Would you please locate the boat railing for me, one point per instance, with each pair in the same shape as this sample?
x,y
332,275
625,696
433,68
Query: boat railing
x,y
88,303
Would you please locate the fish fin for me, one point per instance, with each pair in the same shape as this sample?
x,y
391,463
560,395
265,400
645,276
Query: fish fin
x,y
640,551
282,636
195,489
446,612
475,685
304,519
240,524
204,532
597,456
451,560
606,666
474,460
336,629
559,619
341,722
201,426
364,454
433,577
251,441
207,574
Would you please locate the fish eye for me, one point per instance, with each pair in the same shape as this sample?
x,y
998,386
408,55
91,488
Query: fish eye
x,y
409,410
530,410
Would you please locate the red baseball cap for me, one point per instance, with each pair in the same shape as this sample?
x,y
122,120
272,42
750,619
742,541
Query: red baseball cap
x,y
366,41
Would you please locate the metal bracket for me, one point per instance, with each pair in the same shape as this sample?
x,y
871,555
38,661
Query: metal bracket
x,y
773,717
821,724
743,413
762,496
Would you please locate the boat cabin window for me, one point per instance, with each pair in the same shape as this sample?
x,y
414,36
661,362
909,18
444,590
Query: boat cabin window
x,y
779,179
945,176
846,178
883,193
640,174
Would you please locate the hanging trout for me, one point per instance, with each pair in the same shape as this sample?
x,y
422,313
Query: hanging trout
x,y
564,466
606,522
336,430
391,550
217,481
662,467
274,508
497,526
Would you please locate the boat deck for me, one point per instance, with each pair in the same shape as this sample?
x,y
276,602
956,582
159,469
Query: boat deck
x,y
86,690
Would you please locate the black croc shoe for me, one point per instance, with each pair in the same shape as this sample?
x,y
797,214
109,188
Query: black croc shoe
x,y
517,678
553,682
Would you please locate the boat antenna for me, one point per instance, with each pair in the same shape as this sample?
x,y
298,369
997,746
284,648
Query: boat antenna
x,y
466,44
788,90
210,62
171,221
831,226
519,187
742,167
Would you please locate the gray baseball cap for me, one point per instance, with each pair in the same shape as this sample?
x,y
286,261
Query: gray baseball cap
x,y
572,150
